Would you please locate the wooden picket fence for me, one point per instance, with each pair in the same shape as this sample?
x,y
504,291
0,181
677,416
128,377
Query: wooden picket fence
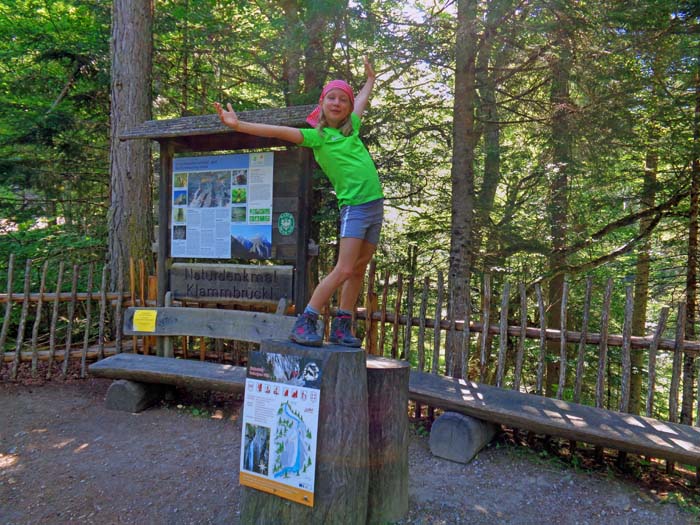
x,y
65,328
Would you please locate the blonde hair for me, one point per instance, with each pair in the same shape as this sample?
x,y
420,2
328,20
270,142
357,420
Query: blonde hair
x,y
345,127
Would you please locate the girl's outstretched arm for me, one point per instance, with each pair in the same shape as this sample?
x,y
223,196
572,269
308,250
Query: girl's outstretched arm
x,y
229,118
362,97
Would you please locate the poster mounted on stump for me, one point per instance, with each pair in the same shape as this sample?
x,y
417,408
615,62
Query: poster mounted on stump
x,y
280,425
222,206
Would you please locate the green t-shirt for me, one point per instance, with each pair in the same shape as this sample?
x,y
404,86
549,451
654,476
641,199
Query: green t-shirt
x,y
346,163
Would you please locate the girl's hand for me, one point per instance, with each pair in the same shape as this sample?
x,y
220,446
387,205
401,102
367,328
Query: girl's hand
x,y
369,71
228,118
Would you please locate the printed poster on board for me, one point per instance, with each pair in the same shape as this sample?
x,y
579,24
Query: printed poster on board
x,y
280,425
222,206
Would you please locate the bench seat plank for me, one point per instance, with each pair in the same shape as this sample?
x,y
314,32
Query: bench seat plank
x,y
631,433
178,372
240,325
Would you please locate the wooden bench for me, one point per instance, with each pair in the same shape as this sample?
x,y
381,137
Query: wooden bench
x,y
140,378
607,428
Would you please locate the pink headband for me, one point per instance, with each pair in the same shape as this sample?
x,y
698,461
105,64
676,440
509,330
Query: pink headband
x,y
313,117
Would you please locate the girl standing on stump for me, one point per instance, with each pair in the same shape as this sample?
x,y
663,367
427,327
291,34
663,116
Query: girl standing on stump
x,y
345,160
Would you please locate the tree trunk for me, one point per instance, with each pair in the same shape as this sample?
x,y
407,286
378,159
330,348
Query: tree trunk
x,y
692,267
558,199
463,157
641,284
130,216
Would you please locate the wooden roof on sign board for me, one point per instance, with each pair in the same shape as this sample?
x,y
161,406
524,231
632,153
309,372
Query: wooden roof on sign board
x,y
207,133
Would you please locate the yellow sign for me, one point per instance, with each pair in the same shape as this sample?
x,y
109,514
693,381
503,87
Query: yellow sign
x,y
145,320
304,497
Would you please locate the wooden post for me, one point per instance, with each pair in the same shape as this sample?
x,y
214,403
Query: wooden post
x,y
543,340
562,341
71,314
521,340
22,319
88,320
434,365
103,314
387,388
342,455
580,359
503,336
8,308
653,347
37,319
54,320
486,312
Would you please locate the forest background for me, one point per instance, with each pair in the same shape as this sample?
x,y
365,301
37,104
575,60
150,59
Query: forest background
x,y
536,141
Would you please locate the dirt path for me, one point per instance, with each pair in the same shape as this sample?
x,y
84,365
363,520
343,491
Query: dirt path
x,y
64,458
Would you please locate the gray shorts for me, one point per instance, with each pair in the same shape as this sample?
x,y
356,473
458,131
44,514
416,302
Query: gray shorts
x,y
363,221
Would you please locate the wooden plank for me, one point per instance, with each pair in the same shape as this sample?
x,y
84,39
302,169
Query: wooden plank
x,y
562,342
54,320
211,322
450,343
651,383
485,314
88,322
466,327
676,369
397,312
406,352
635,434
603,347
421,324
580,359
436,329
626,356
22,320
103,313
225,283
370,301
37,319
8,307
520,355
543,345
502,335
177,372
382,325
71,315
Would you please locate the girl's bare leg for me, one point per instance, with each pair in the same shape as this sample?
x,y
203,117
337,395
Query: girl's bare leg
x,y
352,287
351,250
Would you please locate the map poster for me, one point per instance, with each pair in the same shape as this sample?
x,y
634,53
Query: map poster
x,y
280,425
222,206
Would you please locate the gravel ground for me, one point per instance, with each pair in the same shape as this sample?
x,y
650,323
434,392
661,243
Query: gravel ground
x,y
64,458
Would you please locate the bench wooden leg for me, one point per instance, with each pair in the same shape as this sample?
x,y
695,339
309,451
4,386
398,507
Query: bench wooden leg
x,y
131,396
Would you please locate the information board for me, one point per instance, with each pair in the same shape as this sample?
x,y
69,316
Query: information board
x,y
280,425
222,206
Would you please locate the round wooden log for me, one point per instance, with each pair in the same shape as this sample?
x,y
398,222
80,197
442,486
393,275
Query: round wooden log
x,y
342,471
387,393
459,437
131,396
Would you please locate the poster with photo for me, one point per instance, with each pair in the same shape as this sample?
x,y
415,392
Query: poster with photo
x,y
222,206
280,425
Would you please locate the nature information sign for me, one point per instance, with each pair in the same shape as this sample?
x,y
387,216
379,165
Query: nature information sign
x,y
280,425
222,206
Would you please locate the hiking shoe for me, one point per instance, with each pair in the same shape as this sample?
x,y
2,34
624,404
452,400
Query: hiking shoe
x,y
341,331
305,331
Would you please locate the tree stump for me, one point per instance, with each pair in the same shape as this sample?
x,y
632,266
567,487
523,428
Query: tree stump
x,y
387,392
342,472
459,437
